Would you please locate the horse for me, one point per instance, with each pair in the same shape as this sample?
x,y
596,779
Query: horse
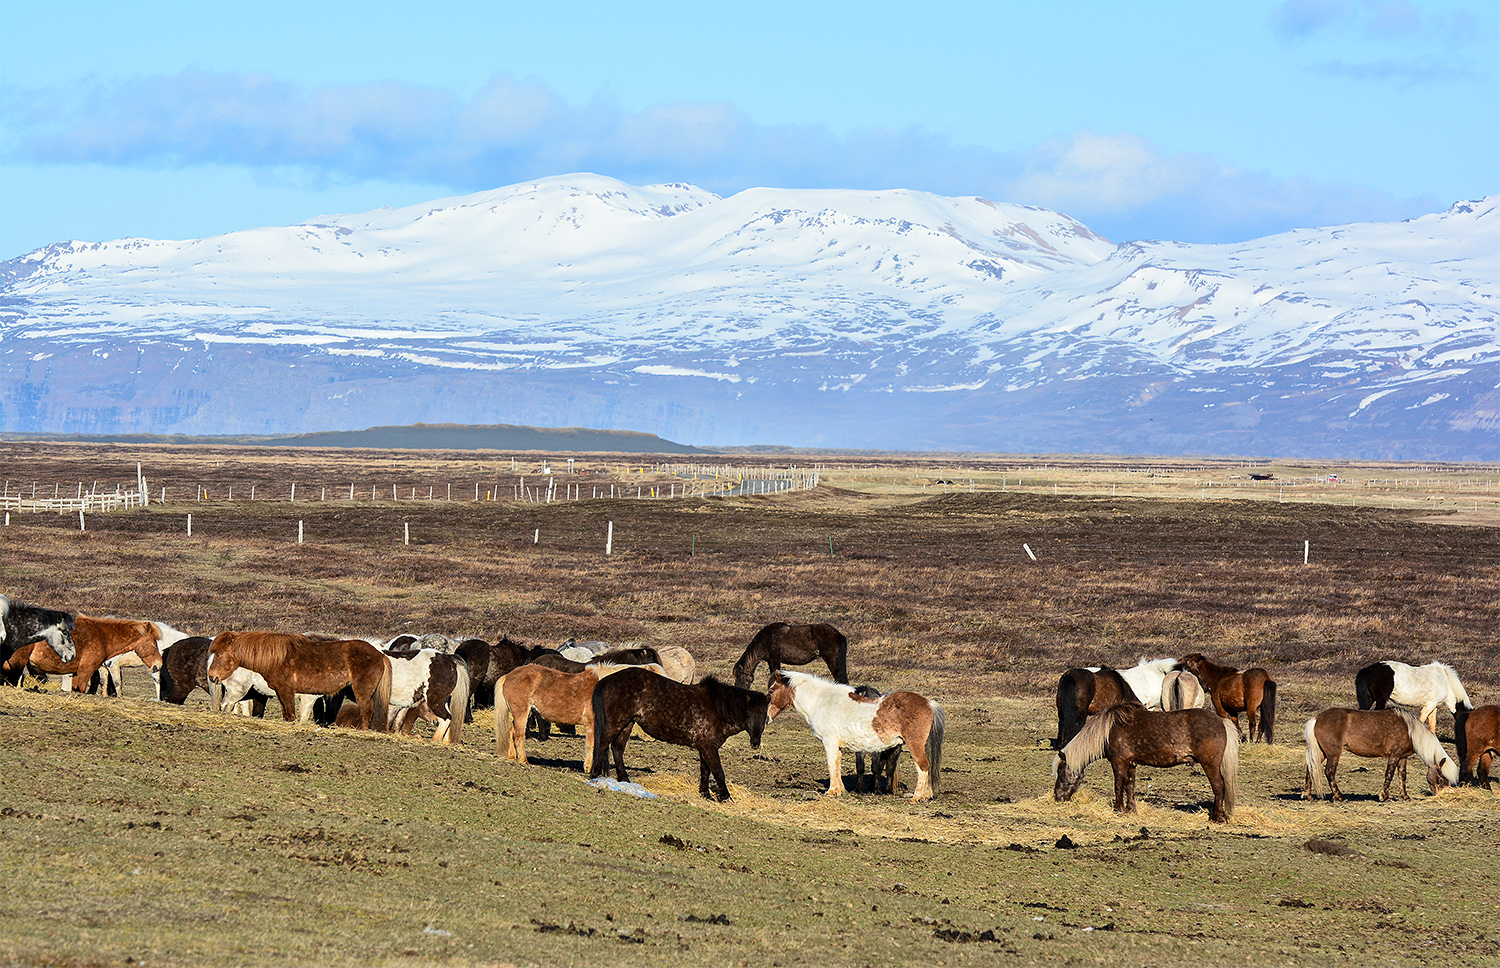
x,y
1145,679
488,662
184,667
1130,734
1421,687
559,697
1477,733
701,716
557,662
22,624
294,664
95,640
1182,690
111,674
1392,733
431,685
882,765
840,718
677,663
1082,693
779,643
1233,692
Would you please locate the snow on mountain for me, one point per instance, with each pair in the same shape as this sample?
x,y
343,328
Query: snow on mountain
x,y
840,318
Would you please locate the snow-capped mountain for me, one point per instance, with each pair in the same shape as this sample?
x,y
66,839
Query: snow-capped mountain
x,y
889,319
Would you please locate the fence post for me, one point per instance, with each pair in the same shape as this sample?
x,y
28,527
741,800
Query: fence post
x,y
299,532
80,519
190,525
1306,551
609,538
406,532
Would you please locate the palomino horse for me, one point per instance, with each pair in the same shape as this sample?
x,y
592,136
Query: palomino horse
x,y
1233,692
1082,693
780,643
558,697
1420,687
840,718
293,664
1182,690
1392,733
22,624
1477,732
95,640
1130,734
702,716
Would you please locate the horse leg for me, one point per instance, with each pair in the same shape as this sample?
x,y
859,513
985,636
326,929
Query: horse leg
x,y
835,769
517,749
1330,769
924,771
1390,773
1404,794
1482,769
1123,779
617,747
288,702
1216,784
708,760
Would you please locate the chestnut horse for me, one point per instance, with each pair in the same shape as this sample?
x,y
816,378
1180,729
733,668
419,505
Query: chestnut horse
x,y
95,640
1233,692
1392,733
558,697
702,716
1477,733
1130,733
840,718
1082,693
293,664
779,643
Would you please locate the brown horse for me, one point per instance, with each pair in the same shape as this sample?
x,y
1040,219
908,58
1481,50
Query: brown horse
x,y
702,716
1394,734
94,641
1129,734
1233,692
1082,693
1477,734
780,643
293,664
558,697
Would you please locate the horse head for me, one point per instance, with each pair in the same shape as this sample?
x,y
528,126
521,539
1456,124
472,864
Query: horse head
x,y
781,697
756,717
223,660
744,671
1067,782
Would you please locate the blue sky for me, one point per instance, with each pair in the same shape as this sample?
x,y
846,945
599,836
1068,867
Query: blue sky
x,y
1191,121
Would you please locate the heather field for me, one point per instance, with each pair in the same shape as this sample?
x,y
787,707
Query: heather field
x,y
140,833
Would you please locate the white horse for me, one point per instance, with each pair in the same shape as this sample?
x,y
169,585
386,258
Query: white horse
x,y
1423,688
841,719
1145,679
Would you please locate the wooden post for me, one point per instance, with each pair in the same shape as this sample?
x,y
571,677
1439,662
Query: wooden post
x,y
609,539
536,536
299,532
406,532
190,525
80,519
294,492
1029,552
1306,551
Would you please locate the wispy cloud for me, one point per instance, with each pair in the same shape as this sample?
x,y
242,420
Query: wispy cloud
x,y
513,130
1418,45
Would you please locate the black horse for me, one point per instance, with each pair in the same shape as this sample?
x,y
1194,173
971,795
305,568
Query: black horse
x,y
780,643
702,716
1082,693
23,624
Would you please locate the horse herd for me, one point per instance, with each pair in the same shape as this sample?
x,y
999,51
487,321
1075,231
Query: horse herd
x,y
1162,712
1167,712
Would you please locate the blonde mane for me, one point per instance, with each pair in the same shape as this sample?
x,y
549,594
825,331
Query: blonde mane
x,y
1089,745
1429,750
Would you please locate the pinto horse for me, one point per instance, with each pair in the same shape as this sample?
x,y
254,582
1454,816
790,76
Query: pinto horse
x,y
95,640
1233,692
22,624
1420,687
840,718
431,685
558,697
1082,693
1146,678
293,664
702,716
780,643
1130,734
1392,733
1477,733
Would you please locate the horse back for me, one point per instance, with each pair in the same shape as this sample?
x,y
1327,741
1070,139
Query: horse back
x,y
1363,732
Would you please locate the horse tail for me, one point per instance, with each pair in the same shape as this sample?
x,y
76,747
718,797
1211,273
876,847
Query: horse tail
x,y
1071,706
600,766
841,669
382,708
1461,740
1268,711
502,717
935,745
458,703
1316,780
1362,693
1229,766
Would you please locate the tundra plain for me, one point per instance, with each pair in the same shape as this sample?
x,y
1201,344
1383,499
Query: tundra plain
x,y
140,833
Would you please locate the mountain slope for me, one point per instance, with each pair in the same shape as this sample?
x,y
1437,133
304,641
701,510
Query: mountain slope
x,y
867,319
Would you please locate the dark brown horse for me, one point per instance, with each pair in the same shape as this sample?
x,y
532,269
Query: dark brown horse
x,y
293,664
1477,735
184,667
94,641
1129,734
1394,734
781,644
1233,692
701,716
1082,693
488,662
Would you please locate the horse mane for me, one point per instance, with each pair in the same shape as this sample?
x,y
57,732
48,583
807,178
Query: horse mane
x,y
731,703
1428,748
254,649
1089,744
